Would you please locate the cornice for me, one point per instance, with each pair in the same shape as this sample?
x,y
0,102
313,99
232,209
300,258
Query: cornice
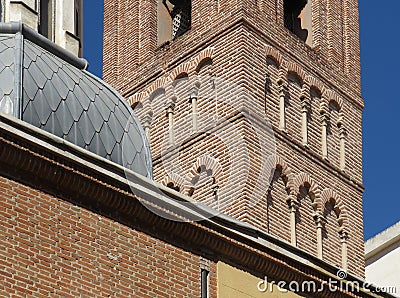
x,y
33,157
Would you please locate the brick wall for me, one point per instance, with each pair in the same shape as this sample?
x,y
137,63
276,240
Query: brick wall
x,y
124,37
243,53
50,247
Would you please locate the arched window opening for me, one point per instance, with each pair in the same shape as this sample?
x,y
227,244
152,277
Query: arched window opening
x,y
305,219
272,88
174,19
173,186
293,106
333,133
335,251
277,206
297,18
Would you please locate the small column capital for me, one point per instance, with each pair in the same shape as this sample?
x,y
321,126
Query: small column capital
x,y
282,88
324,117
305,104
342,131
293,203
147,119
344,236
170,105
319,220
194,92
215,188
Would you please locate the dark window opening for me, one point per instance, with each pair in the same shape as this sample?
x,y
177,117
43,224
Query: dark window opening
x,y
297,18
174,19
181,17
173,186
44,18
78,24
204,283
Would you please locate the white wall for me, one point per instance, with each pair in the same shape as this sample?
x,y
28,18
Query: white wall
x,y
383,259
62,18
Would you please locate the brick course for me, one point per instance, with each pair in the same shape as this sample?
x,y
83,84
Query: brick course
x,y
245,41
51,247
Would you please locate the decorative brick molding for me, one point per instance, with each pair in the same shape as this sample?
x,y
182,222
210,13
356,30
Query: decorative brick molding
x,y
206,54
163,83
178,181
209,163
303,180
330,96
160,83
234,41
315,83
275,54
294,67
286,172
182,69
329,195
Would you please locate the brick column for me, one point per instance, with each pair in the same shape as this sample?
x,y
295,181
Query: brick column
x,y
193,100
342,136
318,222
293,207
324,123
343,238
170,115
282,119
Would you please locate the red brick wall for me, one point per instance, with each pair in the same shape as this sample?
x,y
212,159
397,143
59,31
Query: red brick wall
x,y
240,57
336,32
49,247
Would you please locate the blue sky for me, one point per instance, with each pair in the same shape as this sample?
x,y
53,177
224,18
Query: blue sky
x,y
380,49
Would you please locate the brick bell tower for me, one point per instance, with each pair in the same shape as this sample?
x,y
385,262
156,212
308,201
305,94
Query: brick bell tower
x,y
295,63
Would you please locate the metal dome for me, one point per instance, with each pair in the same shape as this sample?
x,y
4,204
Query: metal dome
x,y
69,102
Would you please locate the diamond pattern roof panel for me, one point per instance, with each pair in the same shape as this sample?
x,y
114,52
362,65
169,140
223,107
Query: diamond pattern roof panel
x,y
30,87
5,85
30,115
116,128
60,86
75,109
50,95
8,56
97,146
37,75
64,117
75,135
75,105
87,129
53,125
94,116
75,76
67,80
7,49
